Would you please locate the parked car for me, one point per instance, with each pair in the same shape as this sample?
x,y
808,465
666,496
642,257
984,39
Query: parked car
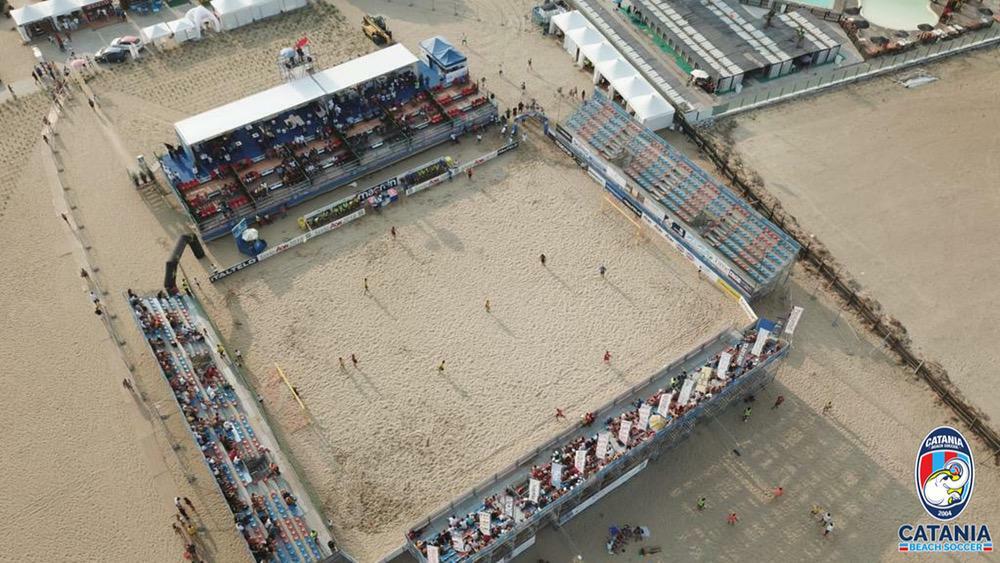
x,y
126,41
112,55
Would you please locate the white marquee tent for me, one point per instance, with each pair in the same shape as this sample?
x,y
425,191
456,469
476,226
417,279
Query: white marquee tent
x,y
652,111
584,41
155,33
202,16
184,30
233,13
364,68
262,9
599,52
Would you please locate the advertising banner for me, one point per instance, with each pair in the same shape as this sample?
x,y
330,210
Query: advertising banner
x,y
793,320
602,444
485,523
625,431
534,489
433,554
758,345
644,412
723,368
557,470
580,461
663,408
686,390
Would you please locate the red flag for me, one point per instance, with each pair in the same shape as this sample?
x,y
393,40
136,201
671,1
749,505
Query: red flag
x,y
301,42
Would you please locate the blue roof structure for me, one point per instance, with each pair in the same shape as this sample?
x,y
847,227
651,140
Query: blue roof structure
x,y
442,51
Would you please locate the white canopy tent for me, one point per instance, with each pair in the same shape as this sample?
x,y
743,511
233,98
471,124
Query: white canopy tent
x,y
184,30
613,69
631,87
155,33
262,9
223,119
63,7
652,111
233,13
28,15
364,68
567,21
578,38
201,17
584,41
599,52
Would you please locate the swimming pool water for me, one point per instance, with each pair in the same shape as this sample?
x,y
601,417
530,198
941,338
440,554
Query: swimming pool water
x,y
898,14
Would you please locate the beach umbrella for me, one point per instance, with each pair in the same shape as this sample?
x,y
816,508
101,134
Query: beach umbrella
x,y
699,74
287,53
657,422
250,235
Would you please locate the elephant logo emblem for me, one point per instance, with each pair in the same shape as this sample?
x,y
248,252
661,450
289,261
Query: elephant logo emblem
x,y
944,473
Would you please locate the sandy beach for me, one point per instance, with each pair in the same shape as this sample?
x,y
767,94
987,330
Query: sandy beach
x,y
901,191
93,470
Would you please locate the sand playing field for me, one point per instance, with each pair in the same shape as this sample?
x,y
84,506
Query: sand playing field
x,y
394,438
91,473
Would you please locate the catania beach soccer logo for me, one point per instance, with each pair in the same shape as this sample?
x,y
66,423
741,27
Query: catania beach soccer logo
x,y
945,477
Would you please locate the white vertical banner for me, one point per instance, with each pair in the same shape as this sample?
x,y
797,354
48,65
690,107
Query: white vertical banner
x,y
580,461
758,345
741,356
557,469
793,320
602,445
723,369
457,541
663,409
623,431
534,489
508,505
644,411
686,390
518,515
485,523
433,554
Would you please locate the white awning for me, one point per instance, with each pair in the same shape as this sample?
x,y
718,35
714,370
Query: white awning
x,y
62,7
584,36
31,13
632,87
184,30
364,68
262,105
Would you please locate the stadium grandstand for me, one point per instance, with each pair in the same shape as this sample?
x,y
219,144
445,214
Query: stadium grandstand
x,y
272,150
266,509
742,246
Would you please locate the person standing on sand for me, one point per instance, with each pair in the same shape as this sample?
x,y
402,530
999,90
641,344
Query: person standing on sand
x,y
732,518
239,357
128,385
468,172
602,270
181,511
778,401
342,365
187,501
487,305
607,356
392,231
354,360
366,286
828,407
701,503
542,258
778,491
441,367
746,413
